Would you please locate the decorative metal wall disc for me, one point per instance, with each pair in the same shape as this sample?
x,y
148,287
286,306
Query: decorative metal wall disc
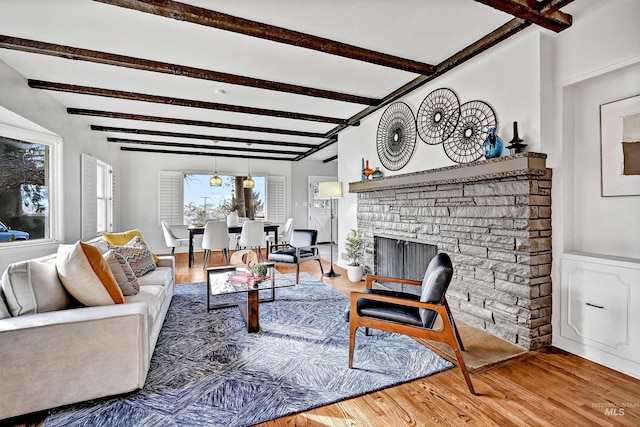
x,y
438,116
466,143
396,139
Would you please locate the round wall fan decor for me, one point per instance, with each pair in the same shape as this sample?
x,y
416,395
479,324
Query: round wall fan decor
x,y
438,116
396,139
466,143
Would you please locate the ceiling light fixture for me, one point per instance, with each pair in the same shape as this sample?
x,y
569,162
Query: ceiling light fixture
x,y
249,182
215,180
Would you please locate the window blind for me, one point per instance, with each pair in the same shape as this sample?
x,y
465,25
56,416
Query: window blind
x,y
276,199
89,202
170,197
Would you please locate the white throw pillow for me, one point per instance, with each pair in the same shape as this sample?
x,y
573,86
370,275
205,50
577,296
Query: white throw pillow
x,y
33,286
86,275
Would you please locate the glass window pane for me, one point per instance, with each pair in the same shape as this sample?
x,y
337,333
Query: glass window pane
x,y
24,191
203,202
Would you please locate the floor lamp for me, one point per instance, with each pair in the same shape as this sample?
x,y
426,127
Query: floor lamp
x,y
330,190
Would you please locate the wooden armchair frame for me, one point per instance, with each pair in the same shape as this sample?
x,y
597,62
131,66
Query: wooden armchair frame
x,y
447,334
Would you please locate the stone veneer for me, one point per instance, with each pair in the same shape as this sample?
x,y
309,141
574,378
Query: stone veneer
x,y
493,218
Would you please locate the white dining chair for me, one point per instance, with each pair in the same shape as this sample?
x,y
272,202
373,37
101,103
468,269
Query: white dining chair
x,y
170,239
252,236
284,235
216,236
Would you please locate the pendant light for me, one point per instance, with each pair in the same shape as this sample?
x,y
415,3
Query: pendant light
x,y
249,182
215,180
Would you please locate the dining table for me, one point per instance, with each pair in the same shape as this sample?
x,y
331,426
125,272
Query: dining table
x,y
235,229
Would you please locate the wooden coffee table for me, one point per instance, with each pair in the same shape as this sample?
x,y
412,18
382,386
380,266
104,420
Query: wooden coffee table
x,y
230,280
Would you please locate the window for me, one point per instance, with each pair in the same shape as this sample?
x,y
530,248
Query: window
x,y
27,184
202,201
98,191
188,198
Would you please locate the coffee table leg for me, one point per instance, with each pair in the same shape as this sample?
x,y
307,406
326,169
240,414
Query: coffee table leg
x,y
253,304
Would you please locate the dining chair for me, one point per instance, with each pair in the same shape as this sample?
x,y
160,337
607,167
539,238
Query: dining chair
x,y
170,238
252,236
284,236
216,236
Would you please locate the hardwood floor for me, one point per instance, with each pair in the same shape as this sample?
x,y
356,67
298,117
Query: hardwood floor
x,y
548,387
543,388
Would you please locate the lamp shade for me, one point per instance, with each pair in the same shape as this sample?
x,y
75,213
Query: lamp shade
x,y
248,183
215,181
328,190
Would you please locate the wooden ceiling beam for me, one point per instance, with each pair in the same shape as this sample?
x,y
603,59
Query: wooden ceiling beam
x,y
68,52
188,122
134,96
201,153
550,18
201,146
221,21
200,136
502,33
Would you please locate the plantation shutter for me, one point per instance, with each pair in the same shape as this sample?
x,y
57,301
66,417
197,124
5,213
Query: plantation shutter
x,y
89,202
170,197
113,202
276,199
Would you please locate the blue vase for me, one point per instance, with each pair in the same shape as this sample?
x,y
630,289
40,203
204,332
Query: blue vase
x,y
493,144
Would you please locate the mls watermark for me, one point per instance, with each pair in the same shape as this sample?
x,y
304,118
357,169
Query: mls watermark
x,y
616,409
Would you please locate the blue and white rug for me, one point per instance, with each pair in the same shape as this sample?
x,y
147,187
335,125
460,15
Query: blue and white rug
x,y
208,371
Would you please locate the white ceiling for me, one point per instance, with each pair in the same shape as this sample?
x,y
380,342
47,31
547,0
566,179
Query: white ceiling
x,y
422,30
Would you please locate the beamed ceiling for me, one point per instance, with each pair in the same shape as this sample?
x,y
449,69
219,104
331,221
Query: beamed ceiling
x,y
284,76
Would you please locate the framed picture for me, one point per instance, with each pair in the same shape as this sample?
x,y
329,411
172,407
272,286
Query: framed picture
x,y
620,147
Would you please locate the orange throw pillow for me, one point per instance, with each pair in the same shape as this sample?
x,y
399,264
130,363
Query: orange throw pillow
x,y
121,239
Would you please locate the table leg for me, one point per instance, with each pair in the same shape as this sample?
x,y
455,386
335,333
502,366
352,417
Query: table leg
x,y
190,248
253,305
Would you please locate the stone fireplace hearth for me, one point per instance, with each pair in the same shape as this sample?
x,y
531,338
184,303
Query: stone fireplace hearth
x,y
493,217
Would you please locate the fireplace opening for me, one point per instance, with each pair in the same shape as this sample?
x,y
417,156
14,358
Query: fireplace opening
x,y
398,257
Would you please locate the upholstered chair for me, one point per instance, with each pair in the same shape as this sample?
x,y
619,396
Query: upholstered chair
x,y
302,248
284,235
409,314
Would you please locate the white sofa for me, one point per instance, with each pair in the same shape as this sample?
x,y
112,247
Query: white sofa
x,y
60,356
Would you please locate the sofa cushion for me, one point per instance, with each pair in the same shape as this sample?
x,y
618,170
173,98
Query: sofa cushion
x,y
4,311
86,275
138,255
121,239
160,276
153,297
123,273
33,286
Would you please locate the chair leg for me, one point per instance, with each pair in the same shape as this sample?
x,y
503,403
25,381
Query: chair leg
x,y
297,273
204,258
352,342
321,269
225,252
452,340
453,325
173,250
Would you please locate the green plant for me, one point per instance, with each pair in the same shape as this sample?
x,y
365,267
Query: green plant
x,y
354,247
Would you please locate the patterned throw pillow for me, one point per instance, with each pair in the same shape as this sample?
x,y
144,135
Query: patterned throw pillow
x,y
123,273
138,255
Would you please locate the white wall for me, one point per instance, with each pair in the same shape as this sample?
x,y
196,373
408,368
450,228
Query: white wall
x,y
507,77
40,108
300,172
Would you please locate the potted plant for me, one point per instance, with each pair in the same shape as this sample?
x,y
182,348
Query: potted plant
x,y
354,249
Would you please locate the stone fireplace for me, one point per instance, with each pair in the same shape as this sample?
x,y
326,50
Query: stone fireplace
x,y
493,217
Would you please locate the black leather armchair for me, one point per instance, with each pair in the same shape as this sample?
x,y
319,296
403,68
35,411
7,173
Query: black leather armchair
x,y
409,314
302,248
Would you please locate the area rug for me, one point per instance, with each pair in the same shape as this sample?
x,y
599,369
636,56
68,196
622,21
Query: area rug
x,y
208,371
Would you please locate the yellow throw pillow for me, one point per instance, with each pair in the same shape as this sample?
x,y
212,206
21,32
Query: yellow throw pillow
x,y
121,239
86,275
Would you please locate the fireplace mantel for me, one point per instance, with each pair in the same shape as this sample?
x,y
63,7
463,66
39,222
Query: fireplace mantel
x,y
521,164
